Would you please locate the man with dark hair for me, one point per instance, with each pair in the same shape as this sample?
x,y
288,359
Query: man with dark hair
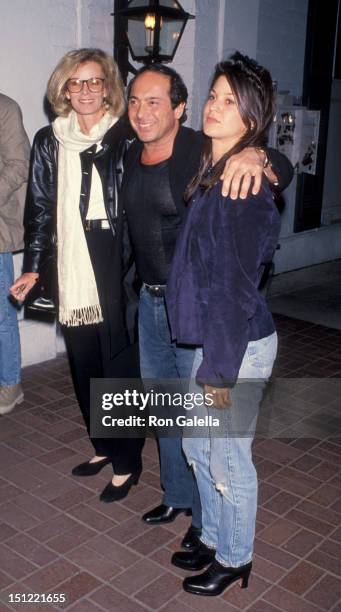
x,y
158,167
177,91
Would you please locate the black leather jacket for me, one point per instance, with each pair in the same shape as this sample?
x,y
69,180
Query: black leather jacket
x,y
41,200
41,217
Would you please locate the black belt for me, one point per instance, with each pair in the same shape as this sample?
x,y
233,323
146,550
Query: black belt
x,y
90,224
156,290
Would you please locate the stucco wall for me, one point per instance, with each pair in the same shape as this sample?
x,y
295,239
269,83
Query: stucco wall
x,y
221,28
281,41
35,34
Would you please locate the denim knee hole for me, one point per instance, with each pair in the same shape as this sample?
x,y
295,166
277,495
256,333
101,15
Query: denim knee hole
x,y
223,490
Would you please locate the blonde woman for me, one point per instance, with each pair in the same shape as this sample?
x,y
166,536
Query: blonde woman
x,y
72,196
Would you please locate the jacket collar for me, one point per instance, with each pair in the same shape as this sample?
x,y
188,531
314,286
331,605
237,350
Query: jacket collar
x,y
120,130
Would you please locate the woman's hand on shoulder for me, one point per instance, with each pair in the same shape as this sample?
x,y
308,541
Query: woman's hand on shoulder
x,y
23,285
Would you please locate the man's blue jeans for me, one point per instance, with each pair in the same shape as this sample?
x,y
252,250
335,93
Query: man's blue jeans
x,y
10,362
160,358
223,465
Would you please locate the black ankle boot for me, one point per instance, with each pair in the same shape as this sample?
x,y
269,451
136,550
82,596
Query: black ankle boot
x,y
216,579
191,538
194,560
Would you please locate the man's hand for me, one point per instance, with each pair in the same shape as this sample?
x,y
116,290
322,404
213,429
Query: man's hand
x,y
241,169
221,397
23,285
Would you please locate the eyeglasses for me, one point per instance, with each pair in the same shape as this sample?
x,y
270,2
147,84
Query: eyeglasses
x,y
95,84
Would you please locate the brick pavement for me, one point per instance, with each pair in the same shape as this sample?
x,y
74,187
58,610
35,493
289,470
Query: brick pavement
x,y
55,535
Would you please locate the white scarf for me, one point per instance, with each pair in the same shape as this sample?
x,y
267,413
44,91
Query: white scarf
x,y
78,296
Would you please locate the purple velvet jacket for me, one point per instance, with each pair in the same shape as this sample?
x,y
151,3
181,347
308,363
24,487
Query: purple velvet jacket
x,y
212,293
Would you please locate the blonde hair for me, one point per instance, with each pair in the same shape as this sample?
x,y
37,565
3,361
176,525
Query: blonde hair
x,y
56,87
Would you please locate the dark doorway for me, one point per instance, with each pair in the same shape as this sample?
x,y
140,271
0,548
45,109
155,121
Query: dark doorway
x,y
318,74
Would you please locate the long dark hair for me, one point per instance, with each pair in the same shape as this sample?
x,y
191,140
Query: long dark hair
x,y
252,88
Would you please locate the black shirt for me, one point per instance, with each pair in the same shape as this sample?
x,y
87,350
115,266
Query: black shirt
x,y
153,221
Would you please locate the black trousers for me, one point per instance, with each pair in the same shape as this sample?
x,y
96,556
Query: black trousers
x,y
90,348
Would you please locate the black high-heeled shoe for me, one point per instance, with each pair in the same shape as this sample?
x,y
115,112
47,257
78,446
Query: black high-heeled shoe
x,y
90,469
112,493
216,579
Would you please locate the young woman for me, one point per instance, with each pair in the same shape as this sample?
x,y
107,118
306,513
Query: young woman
x,y
214,303
74,176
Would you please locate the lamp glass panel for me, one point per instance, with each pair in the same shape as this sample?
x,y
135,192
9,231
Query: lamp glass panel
x,y
137,35
169,35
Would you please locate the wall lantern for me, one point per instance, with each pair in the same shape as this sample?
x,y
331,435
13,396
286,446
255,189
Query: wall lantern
x,y
154,29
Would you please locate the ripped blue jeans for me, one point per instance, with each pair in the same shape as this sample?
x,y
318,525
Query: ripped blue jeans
x,y
222,463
